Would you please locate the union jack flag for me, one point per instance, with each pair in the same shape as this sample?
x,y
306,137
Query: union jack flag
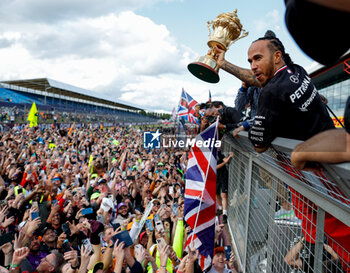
x,y
200,192
189,103
182,112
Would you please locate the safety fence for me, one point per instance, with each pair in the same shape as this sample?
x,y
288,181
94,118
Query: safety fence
x,y
286,220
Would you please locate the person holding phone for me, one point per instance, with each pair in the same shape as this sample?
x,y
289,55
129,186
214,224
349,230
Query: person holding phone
x,y
55,218
49,239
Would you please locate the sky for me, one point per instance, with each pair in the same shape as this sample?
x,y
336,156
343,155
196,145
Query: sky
x,y
135,51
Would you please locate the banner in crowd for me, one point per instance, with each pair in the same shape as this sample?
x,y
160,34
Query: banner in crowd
x,y
33,116
143,220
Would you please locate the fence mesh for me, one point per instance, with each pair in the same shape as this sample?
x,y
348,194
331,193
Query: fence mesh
x,y
275,228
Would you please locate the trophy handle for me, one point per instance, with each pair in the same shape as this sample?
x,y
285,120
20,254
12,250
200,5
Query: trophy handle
x,y
208,26
244,34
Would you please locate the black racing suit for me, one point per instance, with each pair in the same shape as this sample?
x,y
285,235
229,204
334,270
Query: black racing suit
x,y
289,106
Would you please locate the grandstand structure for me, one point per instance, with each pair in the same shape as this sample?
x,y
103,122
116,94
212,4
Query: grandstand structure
x,y
334,83
56,97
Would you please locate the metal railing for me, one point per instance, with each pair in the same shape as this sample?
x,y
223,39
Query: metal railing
x,y
286,220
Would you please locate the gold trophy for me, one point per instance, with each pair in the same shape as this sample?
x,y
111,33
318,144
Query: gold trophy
x,y
227,30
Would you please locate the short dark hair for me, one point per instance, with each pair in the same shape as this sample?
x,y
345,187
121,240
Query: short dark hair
x,y
217,104
276,45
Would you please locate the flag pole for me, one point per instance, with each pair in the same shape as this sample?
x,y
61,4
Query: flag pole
x,y
206,177
177,112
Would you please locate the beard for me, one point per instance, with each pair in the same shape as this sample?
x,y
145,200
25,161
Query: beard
x,y
125,215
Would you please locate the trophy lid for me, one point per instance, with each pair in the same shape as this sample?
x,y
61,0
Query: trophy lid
x,y
228,17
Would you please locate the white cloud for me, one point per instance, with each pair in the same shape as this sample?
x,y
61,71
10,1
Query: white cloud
x,y
52,11
108,49
272,20
110,54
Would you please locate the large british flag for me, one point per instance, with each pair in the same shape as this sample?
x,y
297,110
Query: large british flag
x,y
189,103
200,192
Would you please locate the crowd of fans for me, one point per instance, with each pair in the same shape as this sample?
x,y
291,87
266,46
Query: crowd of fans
x,y
96,201
72,201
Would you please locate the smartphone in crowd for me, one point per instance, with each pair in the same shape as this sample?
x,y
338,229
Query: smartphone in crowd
x,y
66,229
34,215
227,252
149,225
122,237
171,190
87,211
174,208
159,226
65,246
87,244
156,217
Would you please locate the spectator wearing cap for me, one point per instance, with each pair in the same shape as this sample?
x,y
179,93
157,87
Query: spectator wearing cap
x,y
123,213
144,239
101,189
102,185
219,261
94,197
93,185
161,170
155,208
48,239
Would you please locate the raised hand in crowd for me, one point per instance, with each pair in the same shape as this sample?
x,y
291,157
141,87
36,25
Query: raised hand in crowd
x,y
7,249
139,253
218,231
72,258
3,213
7,222
193,255
119,255
18,256
85,255
163,256
233,263
18,242
61,238
183,264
